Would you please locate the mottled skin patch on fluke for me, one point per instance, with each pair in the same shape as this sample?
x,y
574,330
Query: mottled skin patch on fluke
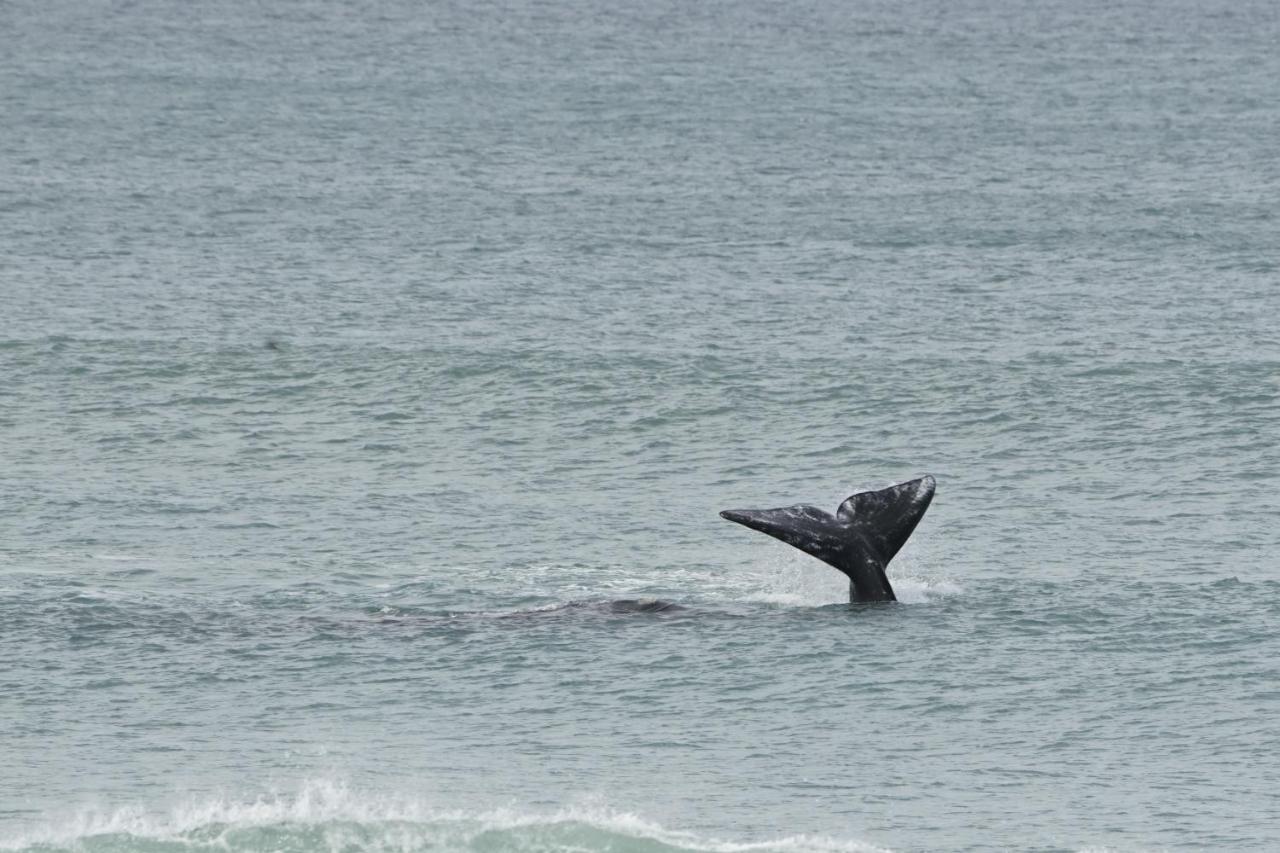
x,y
862,537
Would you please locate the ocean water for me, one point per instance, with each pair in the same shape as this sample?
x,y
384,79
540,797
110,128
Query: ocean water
x,y
354,357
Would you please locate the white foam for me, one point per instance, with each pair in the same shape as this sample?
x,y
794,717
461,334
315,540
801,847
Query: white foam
x,y
918,590
794,580
385,822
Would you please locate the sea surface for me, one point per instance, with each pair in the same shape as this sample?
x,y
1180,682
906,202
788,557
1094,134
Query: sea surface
x,y
356,357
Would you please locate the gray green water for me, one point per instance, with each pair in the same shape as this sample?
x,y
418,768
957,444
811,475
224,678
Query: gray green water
x,y
354,356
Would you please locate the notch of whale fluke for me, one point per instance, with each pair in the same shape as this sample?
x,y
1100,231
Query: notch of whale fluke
x,y
866,532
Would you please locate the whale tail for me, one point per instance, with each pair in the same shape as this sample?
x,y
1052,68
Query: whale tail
x,y
866,532
886,518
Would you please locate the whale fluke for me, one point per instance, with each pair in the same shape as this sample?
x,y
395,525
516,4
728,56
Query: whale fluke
x,y
862,537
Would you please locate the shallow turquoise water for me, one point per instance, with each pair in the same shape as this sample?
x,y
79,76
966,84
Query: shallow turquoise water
x,y
353,358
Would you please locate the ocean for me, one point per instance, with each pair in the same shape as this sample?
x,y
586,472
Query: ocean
x,y
356,357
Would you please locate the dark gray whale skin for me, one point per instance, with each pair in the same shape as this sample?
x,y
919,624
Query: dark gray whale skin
x,y
643,605
862,537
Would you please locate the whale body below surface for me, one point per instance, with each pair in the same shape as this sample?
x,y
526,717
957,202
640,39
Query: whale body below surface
x,y
862,537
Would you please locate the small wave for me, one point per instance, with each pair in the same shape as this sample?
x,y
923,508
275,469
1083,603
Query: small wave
x,y
328,816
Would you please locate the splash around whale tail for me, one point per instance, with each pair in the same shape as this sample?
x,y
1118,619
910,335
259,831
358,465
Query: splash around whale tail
x,y
866,532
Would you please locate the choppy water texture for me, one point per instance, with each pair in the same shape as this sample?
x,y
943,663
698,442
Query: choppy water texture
x,y
354,357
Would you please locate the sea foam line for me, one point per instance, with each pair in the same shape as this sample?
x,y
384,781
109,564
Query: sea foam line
x,y
351,820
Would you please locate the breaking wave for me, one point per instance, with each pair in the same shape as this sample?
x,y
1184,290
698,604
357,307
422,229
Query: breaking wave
x,y
330,817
